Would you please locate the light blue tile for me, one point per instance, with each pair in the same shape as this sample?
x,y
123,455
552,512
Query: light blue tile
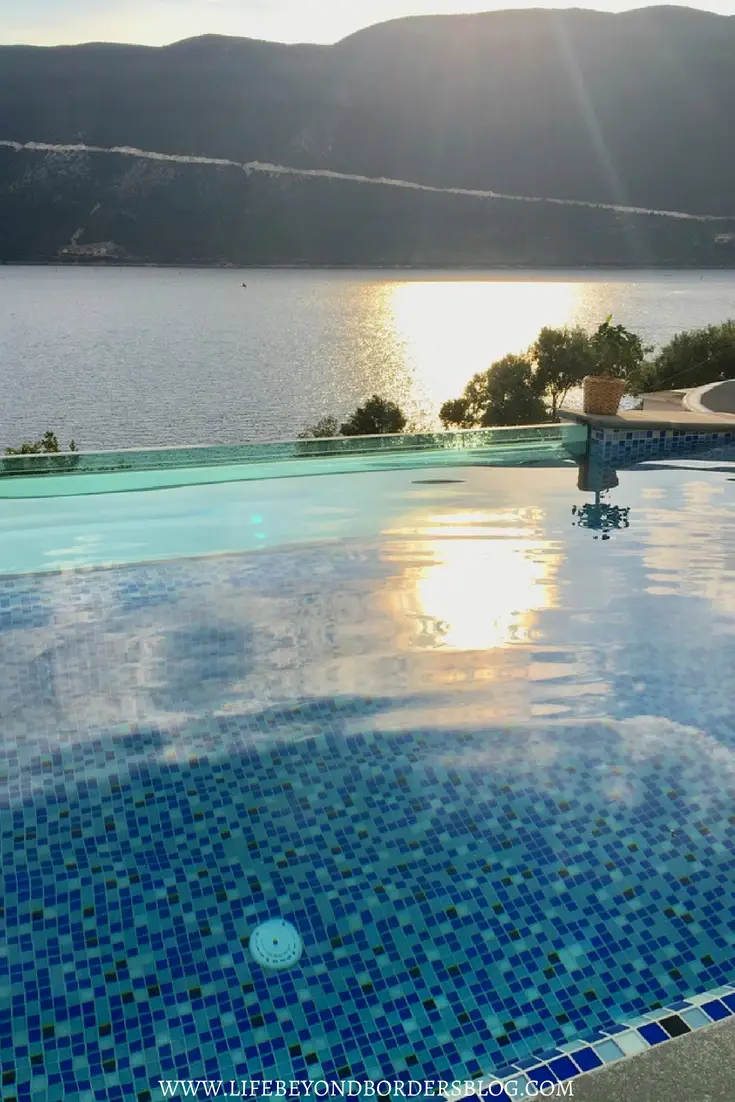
x,y
608,1051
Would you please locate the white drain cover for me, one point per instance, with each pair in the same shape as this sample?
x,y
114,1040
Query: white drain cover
x,y
276,944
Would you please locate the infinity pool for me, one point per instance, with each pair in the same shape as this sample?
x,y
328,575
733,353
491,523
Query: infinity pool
x,y
482,759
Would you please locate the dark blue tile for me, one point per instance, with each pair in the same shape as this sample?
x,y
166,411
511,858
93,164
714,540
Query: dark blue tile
x,y
586,1059
716,1010
653,1033
563,1068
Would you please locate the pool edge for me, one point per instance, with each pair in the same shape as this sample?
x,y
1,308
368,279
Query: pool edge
x,y
616,1045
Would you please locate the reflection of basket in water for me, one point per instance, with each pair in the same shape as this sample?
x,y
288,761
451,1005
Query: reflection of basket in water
x,y
594,477
601,516
602,394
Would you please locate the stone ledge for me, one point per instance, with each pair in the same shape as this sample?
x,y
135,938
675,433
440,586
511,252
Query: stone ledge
x,y
679,420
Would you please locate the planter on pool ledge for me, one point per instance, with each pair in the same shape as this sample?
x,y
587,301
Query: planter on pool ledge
x,y
602,394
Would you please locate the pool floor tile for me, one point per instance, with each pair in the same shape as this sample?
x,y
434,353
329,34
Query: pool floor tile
x,y
498,835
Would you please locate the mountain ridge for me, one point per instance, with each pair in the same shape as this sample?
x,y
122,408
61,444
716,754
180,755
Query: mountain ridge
x,y
673,11
624,109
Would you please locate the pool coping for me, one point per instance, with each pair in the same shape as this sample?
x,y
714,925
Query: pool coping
x,y
692,399
634,1037
684,420
699,1065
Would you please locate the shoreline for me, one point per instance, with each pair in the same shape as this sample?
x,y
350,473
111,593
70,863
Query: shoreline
x,y
446,267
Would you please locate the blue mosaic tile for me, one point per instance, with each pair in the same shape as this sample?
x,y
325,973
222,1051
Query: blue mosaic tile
x,y
694,1018
586,1059
481,881
542,1075
653,1033
622,448
563,1068
608,1051
716,1010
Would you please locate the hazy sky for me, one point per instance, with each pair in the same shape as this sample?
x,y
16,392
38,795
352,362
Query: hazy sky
x,y
158,21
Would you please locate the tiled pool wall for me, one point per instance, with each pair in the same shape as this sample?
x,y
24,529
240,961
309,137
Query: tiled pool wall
x,y
571,437
621,448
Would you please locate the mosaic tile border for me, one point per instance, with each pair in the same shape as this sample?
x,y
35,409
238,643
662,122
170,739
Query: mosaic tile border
x,y
576,1059
571,436
622,448
631,1038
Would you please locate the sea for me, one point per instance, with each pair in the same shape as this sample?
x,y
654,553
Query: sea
x,y
128,357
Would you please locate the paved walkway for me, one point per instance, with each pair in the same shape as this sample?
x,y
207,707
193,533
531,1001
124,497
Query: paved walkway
x,y
665,400
721,400
664,409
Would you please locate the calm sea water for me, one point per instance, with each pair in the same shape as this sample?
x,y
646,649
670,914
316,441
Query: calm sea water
x,y
126,357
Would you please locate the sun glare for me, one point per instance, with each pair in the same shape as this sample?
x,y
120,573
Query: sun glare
x,y
451,330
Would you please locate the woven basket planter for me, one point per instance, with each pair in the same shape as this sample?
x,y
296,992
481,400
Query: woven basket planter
x,y
602,394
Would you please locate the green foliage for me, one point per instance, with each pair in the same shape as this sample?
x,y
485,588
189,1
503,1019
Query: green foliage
x,y
460,412
377,416
693,358
643,379
325,426
618,352
562,357
47,445
507,393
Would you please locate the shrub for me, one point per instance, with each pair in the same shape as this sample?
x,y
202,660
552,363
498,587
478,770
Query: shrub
x,y
694,358
377,416
47,445
327,426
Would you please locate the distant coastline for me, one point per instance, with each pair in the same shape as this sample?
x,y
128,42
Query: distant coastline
x,y
129,357
489,266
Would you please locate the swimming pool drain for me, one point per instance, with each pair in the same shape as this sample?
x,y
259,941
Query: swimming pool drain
x,y
276,944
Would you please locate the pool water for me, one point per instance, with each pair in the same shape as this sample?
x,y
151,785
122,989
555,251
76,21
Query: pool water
x,y
481,759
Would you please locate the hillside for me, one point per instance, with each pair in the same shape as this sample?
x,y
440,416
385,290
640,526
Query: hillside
x,y
625,110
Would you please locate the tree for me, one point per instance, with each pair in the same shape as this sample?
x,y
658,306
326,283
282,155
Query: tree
x,y
508,393
326,426
460,412
377,416
47,445
562,357
693,358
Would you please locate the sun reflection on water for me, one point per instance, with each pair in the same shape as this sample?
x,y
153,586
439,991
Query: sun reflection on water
x,y
688,550
480,581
